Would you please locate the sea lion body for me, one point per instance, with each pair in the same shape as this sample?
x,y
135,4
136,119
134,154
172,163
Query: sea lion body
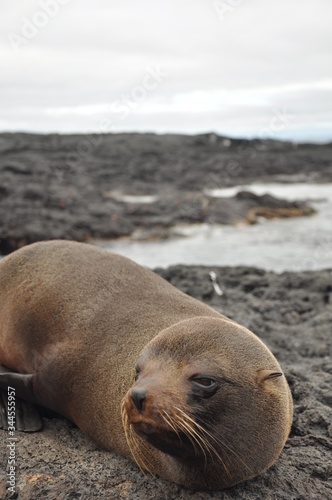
x,y
79,318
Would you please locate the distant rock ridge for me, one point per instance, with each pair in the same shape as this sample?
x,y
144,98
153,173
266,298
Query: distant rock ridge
x,y
60,186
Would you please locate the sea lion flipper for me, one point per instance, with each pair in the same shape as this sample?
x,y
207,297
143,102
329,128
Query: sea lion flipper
x,y
23,416
28,417
20,382
17,395
3,411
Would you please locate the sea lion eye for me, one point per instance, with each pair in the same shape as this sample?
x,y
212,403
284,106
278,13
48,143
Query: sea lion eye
x,y
206,382
204,387
137,373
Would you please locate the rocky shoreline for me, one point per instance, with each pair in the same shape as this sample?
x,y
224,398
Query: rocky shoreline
x,y
82,187
292,314
141,185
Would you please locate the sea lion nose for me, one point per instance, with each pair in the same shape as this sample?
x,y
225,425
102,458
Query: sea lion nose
x,y
138,395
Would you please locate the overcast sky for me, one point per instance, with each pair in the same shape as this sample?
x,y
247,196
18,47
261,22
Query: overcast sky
x,y
239,68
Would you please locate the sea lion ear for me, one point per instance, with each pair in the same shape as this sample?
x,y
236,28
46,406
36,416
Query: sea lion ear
x,y
263,375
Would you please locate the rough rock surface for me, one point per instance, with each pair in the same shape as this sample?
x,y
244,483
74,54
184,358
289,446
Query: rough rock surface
x,y
292,313
70,186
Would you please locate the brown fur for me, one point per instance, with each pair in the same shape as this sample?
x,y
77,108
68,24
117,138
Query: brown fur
x,y
78,318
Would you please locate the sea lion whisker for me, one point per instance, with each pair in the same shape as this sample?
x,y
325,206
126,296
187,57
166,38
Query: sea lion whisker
x,y
137,453
211,450
205,431
131,439
140,452
206,442
187,430
189,435
227,445
202,443
167,418
215,439
194,438
143,448
131,443
177,425
224,445
220,444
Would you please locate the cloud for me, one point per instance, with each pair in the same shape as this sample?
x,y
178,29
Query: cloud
x,y
225,73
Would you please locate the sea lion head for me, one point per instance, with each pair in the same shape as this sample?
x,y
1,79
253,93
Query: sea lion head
x,y
208,393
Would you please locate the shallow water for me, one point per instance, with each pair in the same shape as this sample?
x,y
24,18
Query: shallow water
x,y
282,244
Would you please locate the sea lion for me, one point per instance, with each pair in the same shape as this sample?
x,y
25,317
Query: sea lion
x,y
140,367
